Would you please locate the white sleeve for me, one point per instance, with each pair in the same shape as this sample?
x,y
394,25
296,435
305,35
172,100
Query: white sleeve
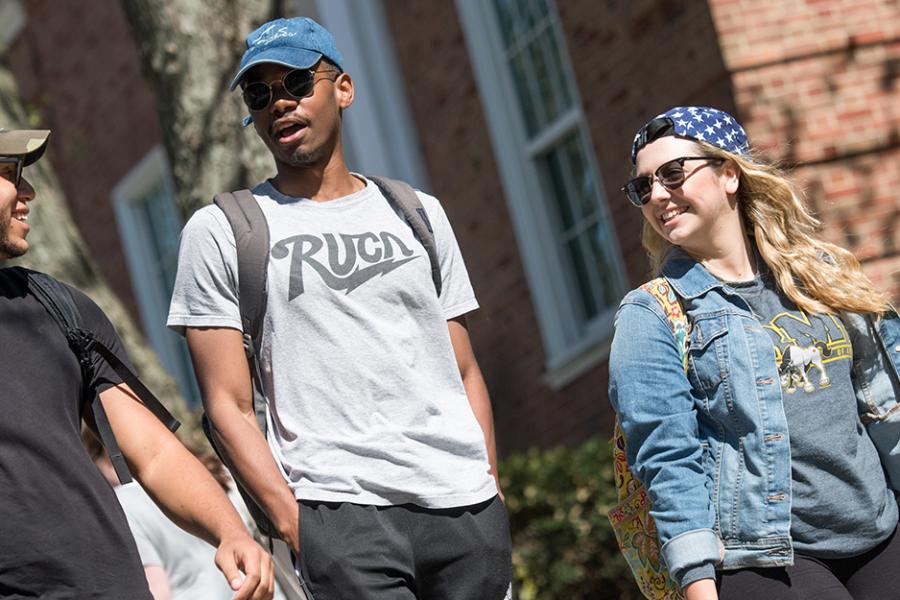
x,y
457,295
206,284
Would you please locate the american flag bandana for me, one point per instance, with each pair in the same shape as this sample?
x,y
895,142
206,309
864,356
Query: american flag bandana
x,y
700,123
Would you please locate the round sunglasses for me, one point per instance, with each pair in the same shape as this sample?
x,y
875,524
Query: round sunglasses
x,y
297,83
670,174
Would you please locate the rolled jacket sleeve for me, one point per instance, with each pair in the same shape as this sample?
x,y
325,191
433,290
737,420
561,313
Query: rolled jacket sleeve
x,y
656,406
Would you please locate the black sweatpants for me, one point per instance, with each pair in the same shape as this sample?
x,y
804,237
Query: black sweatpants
x,y
869,576
356,552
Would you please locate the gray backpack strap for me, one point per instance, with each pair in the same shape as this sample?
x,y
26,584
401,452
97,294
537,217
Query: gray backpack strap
x,y
251,238
403,197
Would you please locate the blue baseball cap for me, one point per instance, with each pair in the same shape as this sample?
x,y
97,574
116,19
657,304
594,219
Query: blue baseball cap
x,y
299,43
700,123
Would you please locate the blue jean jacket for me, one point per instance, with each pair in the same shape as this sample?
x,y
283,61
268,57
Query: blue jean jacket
x,y
712,447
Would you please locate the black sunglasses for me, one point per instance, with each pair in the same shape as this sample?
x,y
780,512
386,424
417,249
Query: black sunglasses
x,y
298,84
14,177
670,174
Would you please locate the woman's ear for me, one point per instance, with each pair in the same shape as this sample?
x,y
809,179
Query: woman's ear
x,y
732,176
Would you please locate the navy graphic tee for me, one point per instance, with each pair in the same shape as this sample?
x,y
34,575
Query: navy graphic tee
x,y
841,504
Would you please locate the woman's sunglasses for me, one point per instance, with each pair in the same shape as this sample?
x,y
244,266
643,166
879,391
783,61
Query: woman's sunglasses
x,y
11,169
298,84
670,174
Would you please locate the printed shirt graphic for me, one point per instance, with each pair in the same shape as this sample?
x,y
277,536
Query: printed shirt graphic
x,y
343,261
366,400
840,502
805,347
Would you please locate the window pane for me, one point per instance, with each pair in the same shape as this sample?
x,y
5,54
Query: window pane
x,y
603,263
584,196
526,92
582,263
560,84
537,10
544,80
513,22
557,179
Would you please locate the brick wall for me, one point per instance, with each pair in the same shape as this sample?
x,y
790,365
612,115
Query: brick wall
x,y
77,67
817,84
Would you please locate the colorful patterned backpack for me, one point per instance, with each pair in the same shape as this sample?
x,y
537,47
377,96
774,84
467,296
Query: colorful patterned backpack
x,y
634,527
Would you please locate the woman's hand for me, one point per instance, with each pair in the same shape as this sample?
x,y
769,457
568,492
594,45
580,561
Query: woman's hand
x,y
702,589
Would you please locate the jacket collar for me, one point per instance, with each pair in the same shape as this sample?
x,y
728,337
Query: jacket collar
x,y
688,277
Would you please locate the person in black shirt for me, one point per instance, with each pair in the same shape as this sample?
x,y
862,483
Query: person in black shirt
x,y
63,535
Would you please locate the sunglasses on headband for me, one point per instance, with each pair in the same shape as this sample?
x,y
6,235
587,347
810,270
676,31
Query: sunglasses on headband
x,y
670,174
12,173
297,83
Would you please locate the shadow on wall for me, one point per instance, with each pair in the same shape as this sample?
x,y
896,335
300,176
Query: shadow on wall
x,y
845,151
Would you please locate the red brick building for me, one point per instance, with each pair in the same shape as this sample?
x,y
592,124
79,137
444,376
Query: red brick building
x,y
518,115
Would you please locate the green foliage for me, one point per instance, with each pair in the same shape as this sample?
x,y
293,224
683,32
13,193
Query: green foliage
x,y
563,545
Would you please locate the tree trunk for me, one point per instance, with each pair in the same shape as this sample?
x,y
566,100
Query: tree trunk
x,y
190,50
56,247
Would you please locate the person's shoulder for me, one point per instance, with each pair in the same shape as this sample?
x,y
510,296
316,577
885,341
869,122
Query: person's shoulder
x,y
432,205
642,305
207,218
83,302
642,296
91,312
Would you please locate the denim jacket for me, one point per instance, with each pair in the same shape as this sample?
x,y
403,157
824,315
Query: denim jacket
x,y
712,447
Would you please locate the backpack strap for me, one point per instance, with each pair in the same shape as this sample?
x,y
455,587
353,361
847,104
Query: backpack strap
x,y
251,238
661,289
404,198
58,302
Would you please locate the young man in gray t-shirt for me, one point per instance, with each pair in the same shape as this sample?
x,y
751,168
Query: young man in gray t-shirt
x,y
380,422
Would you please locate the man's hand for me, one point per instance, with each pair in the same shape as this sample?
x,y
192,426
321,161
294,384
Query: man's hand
x,y
247,567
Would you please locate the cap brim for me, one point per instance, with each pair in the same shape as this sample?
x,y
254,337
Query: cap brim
x,y
288,57
29,143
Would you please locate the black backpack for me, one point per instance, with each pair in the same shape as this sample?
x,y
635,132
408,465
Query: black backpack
x,y
58,302
251,236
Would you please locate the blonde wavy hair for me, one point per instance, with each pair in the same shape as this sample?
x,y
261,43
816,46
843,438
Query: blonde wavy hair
x,y
818,276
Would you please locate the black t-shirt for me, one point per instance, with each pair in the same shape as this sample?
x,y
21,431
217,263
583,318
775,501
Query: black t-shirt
x,y
63,535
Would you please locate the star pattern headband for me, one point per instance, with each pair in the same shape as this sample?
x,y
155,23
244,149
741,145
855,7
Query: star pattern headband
x,y
700,123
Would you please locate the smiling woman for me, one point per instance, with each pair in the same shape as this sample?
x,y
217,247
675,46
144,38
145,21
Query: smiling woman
x,y
752,378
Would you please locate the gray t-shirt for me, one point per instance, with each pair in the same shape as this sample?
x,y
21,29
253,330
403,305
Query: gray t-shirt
x,y
366,403
841,504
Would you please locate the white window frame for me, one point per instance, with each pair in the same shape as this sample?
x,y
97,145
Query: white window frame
x,y
380,136
571,345
152,299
